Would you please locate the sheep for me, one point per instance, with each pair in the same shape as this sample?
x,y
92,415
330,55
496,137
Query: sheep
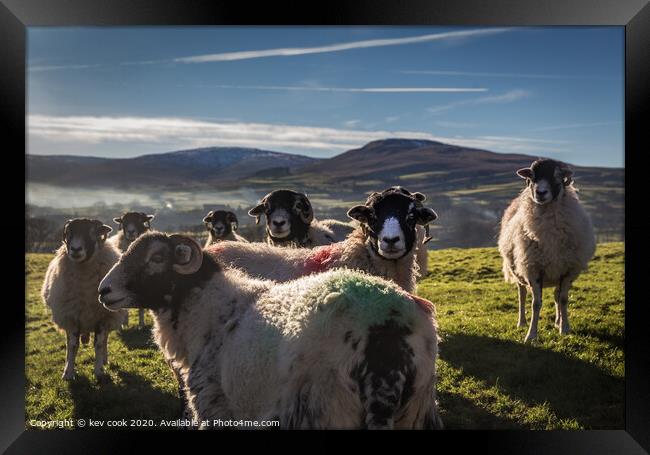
x,y
290,221
382,245
221,225
341,349
131,226
546,240
70,290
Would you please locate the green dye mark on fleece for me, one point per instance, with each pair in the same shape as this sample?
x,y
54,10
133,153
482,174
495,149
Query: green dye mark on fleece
x,y
365,299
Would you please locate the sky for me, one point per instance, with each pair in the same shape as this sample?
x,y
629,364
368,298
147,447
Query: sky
x,y
556,92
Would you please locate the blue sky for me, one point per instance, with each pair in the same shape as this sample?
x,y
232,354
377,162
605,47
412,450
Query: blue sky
x,y
119,92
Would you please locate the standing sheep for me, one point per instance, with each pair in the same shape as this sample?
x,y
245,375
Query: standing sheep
x,y
70,290
290,221
221,225
131,226
546,240
382,245
340,349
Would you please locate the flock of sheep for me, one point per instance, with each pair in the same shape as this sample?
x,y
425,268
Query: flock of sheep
x,y
318,327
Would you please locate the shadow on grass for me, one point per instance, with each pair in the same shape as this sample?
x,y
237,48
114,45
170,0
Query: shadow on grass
x,y
134,337
132,398
465,415
573,389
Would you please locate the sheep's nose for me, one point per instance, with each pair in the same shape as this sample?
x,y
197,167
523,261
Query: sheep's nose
x,y
279,223
75,249
391,240
104,290
541,193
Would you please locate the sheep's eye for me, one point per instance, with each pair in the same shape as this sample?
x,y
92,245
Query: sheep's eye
x,y
157,258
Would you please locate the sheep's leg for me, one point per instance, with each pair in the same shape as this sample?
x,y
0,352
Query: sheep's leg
x,y
557,306
141,318
72,346
522,305
207,401
101,354
564,287
536,287
125,319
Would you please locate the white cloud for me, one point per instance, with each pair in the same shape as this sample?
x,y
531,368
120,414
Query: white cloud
x,y
507,97
353,89
501,75
570,126
352,123
292,51
178,133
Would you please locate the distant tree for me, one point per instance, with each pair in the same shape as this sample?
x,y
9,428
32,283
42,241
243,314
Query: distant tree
x,y
41,235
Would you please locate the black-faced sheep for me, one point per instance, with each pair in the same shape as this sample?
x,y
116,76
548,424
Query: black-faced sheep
x,y
221,225
383,244
290,221
131,226
340,349
546,240
70,290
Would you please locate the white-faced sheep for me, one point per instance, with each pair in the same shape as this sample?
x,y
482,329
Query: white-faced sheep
x,y
546,240
340,349
290,221
131,226
70,290
383,244
221,225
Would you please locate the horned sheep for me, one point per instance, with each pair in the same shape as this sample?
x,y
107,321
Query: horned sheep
x,y
290,221
546,240
340,349
131,226
70,290
382,245
222,225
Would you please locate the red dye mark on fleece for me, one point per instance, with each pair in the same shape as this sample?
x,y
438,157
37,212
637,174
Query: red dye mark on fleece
x,y
425,304
215,248
321,258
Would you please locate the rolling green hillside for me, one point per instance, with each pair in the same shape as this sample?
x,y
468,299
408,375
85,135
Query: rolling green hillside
x,y
488,379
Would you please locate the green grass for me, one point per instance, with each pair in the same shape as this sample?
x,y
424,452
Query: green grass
x,y
488,378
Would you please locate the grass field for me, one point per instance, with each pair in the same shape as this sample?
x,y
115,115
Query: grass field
x,y
488,379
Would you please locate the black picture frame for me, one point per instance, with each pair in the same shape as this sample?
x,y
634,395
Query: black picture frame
x,y
634,15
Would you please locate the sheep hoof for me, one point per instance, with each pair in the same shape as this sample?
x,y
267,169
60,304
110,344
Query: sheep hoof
x,y
68,375
530,338
101,375
565,330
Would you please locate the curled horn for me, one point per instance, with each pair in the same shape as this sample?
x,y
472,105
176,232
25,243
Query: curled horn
x,y
188,255
567,175
232,219
65,230
303,208
102,230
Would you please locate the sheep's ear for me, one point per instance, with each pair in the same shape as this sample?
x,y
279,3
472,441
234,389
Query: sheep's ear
x,y
361,213
303,209
257,211
419,196
118,220
206,220
425,215
567,176
232,219
525,173
188,255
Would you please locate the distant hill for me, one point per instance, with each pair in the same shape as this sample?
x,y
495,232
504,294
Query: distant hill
x,y
184,167
434,165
